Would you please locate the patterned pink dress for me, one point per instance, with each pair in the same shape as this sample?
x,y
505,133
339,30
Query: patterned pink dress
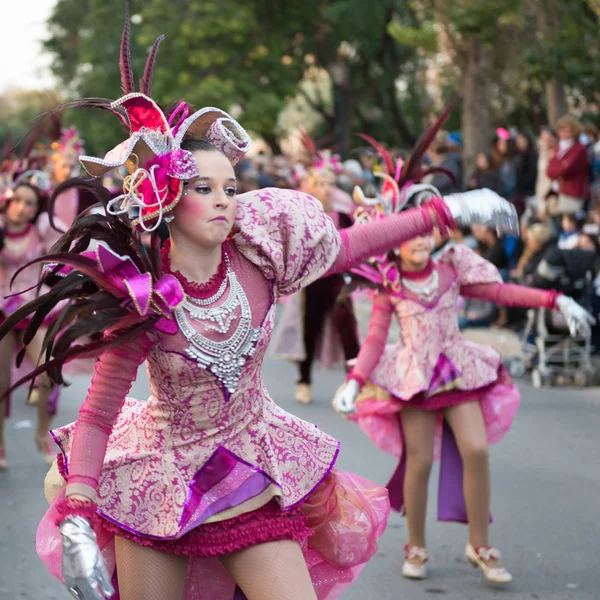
x,y
203,470
433,366
19,249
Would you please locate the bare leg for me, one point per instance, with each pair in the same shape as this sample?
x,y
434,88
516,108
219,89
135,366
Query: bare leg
x,y
7,355
272,571
418,428
146,574
469,431
44,385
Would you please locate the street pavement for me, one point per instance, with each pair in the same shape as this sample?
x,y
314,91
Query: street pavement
x,y
546,496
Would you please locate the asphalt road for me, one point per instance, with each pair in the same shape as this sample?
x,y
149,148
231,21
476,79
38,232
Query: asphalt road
x,y
546,496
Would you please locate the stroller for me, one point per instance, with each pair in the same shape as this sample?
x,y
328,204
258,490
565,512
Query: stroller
x,y
550,354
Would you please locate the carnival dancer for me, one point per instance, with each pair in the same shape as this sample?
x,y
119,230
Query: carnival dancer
x,y
433,386
315,323
27,234
209,467
65,150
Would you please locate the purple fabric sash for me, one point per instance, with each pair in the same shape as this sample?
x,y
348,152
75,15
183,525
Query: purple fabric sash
x,y
443,374
451,500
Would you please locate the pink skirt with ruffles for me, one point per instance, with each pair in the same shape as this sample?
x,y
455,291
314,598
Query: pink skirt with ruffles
x,y
337,528
377,411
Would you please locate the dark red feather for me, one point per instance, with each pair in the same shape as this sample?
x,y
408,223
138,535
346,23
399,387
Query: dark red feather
x,y
146,81
308,143
414,161
127,85
387,159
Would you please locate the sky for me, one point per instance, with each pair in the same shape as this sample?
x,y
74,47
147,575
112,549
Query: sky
x,y
22,62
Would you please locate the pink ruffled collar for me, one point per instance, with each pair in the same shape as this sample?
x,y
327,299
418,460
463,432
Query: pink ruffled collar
x,y
191,288
417,274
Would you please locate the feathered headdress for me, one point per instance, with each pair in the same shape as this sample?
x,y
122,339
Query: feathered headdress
x,y
67,141
401,189
152,153
23,168
322,160
401,180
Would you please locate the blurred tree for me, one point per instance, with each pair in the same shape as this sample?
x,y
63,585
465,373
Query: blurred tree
x,y
510,59
247,56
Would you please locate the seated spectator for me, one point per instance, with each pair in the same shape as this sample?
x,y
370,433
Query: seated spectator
x,y
571,229
490,246
485,176
538,240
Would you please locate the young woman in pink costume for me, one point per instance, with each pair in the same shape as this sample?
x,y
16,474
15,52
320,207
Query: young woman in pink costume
x,y
314,324
27,236
434,391
208,485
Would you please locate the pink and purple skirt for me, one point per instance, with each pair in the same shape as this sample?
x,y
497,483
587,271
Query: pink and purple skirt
x,y
378,415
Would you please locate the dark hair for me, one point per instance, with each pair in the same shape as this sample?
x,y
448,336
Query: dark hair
x,y
40,197
551,131
198,145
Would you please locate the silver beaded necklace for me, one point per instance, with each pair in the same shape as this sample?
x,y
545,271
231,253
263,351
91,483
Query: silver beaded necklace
x,y
225,359
425,288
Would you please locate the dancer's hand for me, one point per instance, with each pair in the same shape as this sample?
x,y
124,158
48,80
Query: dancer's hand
x,y
344,401
84,570
578,319
485,207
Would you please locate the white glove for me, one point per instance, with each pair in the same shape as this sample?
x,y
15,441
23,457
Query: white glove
x,y
578,319
485,207
84,570
345,398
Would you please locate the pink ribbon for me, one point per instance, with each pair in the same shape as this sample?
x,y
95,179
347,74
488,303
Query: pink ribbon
x,y
165,294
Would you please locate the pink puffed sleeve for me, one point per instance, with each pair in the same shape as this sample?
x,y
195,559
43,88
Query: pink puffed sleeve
x,y
470,267
374,344
114,373
287,234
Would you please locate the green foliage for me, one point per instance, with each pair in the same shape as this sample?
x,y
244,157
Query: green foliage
x,y
250,54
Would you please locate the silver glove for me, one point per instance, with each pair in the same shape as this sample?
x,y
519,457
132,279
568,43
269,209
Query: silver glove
x,y
345,398
84,570
578,319
485,207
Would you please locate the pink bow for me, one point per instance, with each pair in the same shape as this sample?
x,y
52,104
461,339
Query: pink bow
x,y
164,295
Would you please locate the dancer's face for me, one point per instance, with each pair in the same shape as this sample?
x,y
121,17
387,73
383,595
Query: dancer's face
x,y
22,207
206,211
320,185
64,166
414,254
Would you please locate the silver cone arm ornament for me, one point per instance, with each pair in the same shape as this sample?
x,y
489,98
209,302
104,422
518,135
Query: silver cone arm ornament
x,y
84,570
485,207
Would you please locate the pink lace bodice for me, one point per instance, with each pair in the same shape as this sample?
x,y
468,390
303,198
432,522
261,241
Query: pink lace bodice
x,y
429,326
18,250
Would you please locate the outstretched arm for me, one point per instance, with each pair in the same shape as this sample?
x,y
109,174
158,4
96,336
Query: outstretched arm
x,y
362,241
508,294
